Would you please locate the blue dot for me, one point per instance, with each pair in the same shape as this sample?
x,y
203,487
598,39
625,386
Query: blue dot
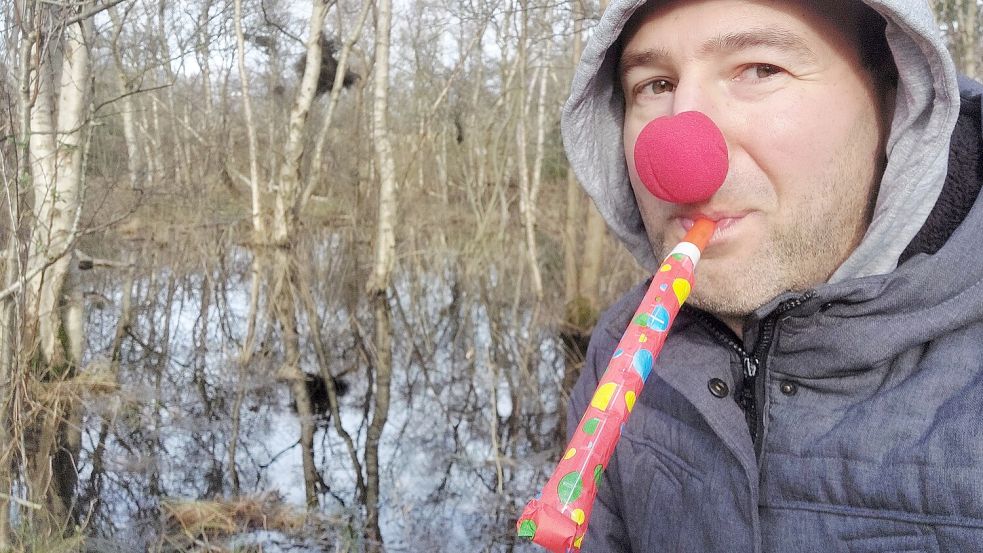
x,y
664,287
659,319
617,353
642,363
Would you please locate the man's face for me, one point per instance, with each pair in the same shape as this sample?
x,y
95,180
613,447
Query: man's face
x,y
804,125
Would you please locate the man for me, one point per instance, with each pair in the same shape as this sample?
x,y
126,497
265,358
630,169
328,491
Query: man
x,y
823,389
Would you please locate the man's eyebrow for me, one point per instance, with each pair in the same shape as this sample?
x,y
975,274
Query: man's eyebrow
x,y
753,38
649,57
726,43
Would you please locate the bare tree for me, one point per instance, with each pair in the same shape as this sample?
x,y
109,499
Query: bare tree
x,y
56,80
527,192
259,224
378,284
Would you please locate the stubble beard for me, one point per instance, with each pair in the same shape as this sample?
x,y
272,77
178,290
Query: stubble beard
x,y
794,257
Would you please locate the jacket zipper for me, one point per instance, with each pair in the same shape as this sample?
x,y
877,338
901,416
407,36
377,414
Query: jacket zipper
x,y
754,367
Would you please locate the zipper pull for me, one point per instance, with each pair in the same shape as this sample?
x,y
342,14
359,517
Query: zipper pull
x,y
750,366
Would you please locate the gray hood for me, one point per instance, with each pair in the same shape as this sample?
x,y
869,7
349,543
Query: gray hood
x,y
926,109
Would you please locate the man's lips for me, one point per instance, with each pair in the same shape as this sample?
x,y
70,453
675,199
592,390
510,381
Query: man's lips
x,y
723,220
728,223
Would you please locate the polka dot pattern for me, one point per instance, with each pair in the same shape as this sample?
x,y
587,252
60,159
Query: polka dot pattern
x,y
559,518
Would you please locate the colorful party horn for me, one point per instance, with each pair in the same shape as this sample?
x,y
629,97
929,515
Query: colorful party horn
x,y
557,519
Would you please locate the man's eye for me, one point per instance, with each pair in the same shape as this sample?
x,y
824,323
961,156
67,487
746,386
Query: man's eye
x,y
765,70
761,71
658,86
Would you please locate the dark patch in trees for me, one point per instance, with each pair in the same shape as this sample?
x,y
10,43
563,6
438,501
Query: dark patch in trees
x,y
329,67
317,391
459,127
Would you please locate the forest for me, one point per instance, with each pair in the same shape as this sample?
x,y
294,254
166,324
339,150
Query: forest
x,y
294,276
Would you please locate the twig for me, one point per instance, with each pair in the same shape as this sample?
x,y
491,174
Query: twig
x,y
22,502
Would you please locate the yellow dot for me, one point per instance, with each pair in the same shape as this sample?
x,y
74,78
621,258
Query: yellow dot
x,y
665,268
681,287
578,516
630,400
570,453
577,542
643,338
602,397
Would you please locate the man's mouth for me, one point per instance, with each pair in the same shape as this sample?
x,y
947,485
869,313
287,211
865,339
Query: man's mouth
x,y
724,220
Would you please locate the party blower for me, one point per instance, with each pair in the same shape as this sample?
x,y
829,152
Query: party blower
x,y
679,159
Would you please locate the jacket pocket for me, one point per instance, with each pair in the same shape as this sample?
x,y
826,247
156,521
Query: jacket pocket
x,y
895,540
658,488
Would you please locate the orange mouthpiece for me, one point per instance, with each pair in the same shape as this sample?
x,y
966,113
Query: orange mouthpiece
x,y
701,232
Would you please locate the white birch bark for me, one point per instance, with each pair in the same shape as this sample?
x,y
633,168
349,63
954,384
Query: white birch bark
x,y
333,98
289,183
52,306
527,208
384,261
259,227
385,244
56,160
125,89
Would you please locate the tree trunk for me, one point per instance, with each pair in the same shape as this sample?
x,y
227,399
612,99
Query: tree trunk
x,y
53,324
378,284
336,87
259,226
285,310
289,192
527,207
133,161
10,311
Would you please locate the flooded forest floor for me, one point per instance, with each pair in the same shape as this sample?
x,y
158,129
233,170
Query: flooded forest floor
x,y
188,444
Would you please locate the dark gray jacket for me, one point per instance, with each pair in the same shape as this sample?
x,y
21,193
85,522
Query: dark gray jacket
x,y
869,395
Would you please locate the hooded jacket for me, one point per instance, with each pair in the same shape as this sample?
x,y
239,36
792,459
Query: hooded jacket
x,y
867,391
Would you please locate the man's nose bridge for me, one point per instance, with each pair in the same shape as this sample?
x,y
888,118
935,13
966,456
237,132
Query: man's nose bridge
x,y
693,95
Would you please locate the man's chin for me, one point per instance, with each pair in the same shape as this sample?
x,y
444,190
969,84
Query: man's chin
x,y
730,298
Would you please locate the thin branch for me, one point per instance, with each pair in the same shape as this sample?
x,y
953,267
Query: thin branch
x,y
91,12
131,93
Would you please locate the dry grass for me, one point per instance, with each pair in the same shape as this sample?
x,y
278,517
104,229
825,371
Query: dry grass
x,y
96,381
221,518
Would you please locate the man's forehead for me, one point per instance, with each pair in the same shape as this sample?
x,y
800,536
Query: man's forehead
x,y
741,37
726,42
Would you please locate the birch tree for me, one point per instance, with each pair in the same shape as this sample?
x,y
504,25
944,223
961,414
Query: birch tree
x,y
384,260
55,96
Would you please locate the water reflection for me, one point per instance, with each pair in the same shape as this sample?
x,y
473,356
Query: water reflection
x,y
469,437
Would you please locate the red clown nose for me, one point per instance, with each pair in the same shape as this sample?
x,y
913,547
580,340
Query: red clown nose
x,y
681,159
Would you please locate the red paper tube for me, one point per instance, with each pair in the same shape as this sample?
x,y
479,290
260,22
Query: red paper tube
x,y
557,519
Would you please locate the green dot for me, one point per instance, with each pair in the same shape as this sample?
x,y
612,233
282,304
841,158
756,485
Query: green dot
x,y
591,426
569,488
598,472
642,319
678,256
527,529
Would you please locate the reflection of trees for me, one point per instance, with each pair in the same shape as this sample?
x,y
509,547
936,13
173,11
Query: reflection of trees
x,y
230,232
